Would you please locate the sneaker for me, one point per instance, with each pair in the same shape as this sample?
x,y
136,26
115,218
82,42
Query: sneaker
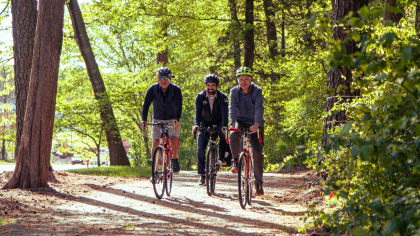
x,y
175,165
259,190
202,181
151,180
234,169
221,162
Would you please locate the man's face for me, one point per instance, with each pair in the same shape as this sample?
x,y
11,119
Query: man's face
x,y
163,82
211,88
244,81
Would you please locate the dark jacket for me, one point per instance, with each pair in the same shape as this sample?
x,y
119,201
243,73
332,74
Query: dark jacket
x,y
246,108
165,106
203,114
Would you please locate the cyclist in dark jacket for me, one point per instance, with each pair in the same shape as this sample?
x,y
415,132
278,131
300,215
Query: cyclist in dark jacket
x,y
167,108
211,108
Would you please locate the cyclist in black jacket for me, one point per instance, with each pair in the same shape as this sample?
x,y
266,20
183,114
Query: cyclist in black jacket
x,y
211,108
167,108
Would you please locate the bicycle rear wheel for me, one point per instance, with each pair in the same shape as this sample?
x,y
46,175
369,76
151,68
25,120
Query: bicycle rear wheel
x,y
158,172
209,164
169,174
242,180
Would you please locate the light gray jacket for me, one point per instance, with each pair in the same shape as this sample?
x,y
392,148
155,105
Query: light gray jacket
x,y
247,109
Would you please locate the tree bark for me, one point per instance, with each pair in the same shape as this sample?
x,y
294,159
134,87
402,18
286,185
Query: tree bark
x,y
33,160
249,34
3,150
271,28
24,16
341,8
236,28
117,154
283,37
387,14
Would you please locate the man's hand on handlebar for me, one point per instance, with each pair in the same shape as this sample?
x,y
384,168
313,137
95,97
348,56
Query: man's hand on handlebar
x,y
254,128
177,124
143,126
194,129
224,130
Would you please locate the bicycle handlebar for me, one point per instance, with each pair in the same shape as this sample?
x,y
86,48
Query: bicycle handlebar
x,y
244,130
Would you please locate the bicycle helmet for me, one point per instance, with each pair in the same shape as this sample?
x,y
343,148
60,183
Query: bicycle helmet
x,y
164,71
211,79
243,71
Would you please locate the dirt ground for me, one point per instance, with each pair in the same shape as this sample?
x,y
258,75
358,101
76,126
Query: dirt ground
x,y
91,205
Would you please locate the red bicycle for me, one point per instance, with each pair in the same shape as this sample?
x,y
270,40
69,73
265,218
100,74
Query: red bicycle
x,y
245,168
162,168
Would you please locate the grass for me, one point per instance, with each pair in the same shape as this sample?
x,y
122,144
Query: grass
x,y
116,171
7,162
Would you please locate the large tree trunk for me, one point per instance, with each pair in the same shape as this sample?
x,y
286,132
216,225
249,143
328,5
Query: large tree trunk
x,y
236,30
117,154
387,14
162,57
24,16
271,28
249,34
33,160
341,8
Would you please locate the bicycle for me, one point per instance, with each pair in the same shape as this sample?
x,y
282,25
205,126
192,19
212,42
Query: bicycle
x,y
246,168
162,168
211,161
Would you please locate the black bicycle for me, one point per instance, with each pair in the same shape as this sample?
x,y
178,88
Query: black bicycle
x,y
212,167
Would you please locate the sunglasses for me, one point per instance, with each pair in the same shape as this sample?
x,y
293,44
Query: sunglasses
x,y
163,78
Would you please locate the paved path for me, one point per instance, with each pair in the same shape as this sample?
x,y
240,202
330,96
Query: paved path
x,y
133,209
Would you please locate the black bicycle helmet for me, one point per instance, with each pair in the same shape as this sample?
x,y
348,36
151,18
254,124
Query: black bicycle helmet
x,y
211,79
165,71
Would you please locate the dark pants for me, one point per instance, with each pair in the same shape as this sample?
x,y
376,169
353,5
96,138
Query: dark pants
x,y
203,139
257,151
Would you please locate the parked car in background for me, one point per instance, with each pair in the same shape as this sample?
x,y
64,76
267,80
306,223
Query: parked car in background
x,y
77,159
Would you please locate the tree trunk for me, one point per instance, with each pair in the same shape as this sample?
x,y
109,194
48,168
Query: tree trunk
x,y
98,156
236,28
33,160
24,16
249,34
417,22
271,28
117,154
3,150
341,8
387,14
162,56
399,16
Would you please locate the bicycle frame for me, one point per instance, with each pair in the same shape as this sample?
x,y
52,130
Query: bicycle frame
x,y
164,143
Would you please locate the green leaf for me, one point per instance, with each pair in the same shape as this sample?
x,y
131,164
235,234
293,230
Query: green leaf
x,y
282,147
406,54
393,9
388,23
355,35
388,38
343,195
417,129
364,12
391,226
346,128
365,153
359,231
355,151
312,21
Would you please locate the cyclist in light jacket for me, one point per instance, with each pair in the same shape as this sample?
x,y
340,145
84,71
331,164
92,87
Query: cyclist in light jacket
x,y
246,110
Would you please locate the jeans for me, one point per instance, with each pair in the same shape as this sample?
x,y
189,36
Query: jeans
x,y
203,139
257,151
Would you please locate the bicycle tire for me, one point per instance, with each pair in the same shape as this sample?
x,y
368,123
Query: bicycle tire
x,y
158,174
213,172
242,180
169,175
209,163
250,186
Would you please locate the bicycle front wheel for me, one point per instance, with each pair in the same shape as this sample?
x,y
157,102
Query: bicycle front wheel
x,y
242,180
169,173
209,164
213,172
158,172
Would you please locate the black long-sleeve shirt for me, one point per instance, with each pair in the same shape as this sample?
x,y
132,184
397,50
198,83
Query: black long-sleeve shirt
x,y
204,115
165,106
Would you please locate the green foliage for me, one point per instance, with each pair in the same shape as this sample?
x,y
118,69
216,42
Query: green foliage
x,y
373,163
116,171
